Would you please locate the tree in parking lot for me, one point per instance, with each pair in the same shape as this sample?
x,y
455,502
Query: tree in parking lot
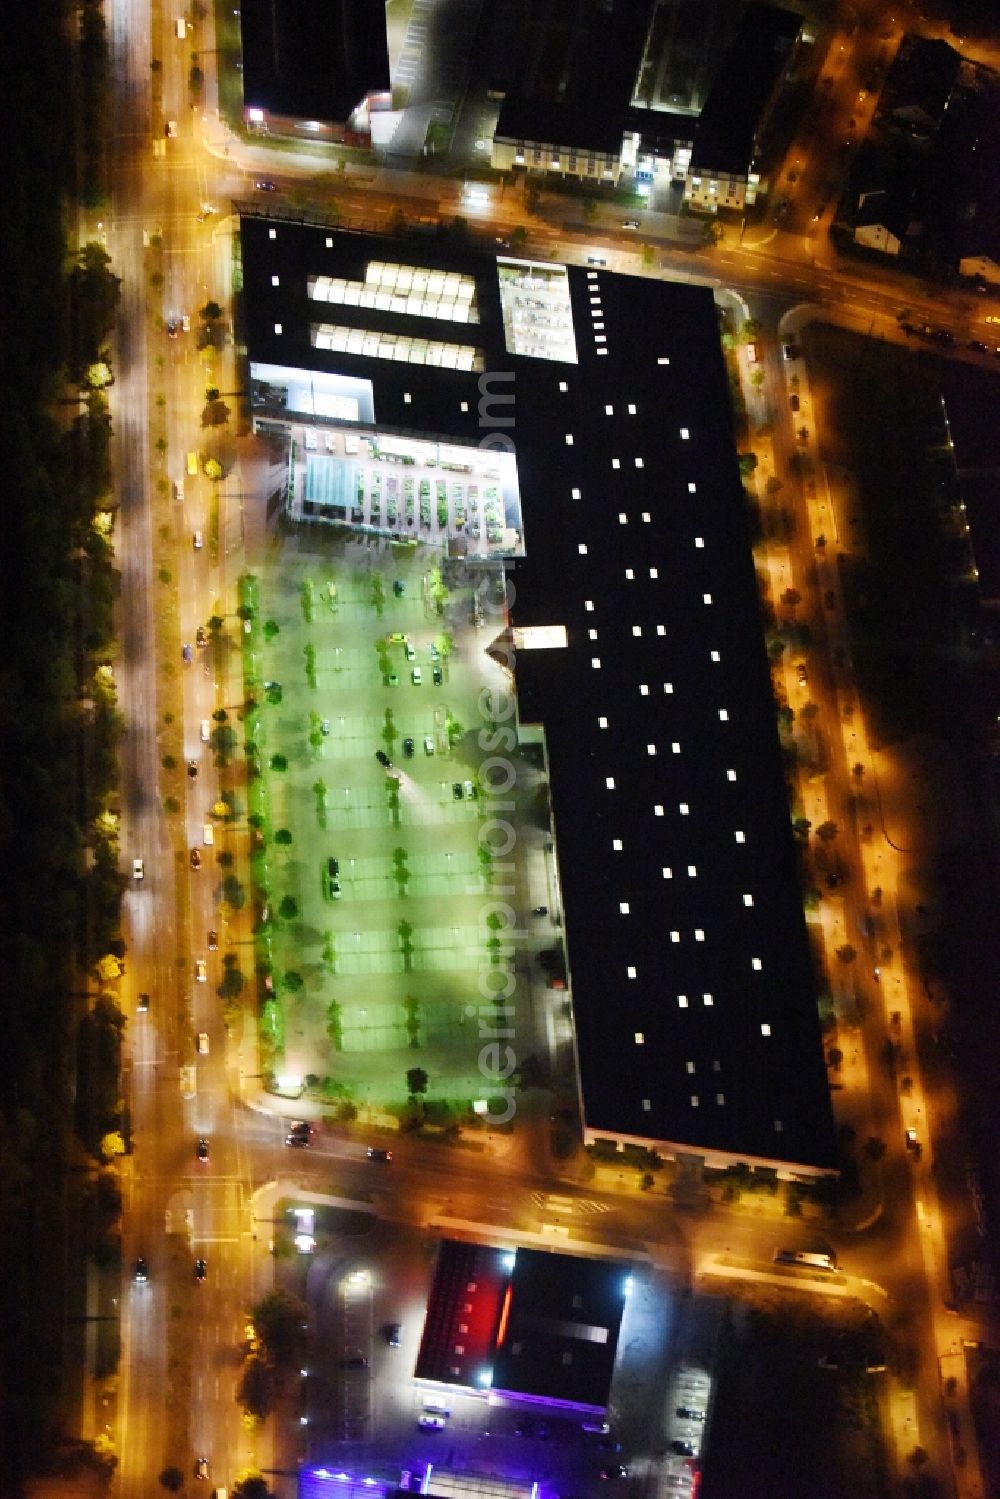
x,y
416,1081
251,1486
255,1392
281,1322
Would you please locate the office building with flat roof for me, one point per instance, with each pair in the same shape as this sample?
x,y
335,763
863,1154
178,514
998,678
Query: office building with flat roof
x,y
584,425
314,72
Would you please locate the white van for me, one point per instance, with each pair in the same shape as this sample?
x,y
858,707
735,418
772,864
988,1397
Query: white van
x,y
208,835
181,28
206,731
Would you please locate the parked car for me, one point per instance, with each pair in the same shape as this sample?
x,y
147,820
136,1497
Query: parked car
x,y
408,748
141,1271
213,941
456,790
428,745
416,676
202,1149
195,857
437,676
263,186
203,1043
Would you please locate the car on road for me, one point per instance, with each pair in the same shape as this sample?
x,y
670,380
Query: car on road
x,y
171,129
618,1470
213,941
977,346
392,1332
398,587
197,540
324,727
793,401
202,1149
141,1271
912,1143
195,857
200,1269
456,790
263,186
185,324
203,1043
437,676
299,1132
802,673
430,1423
392,680
408,748
201,636
205,731
187,653
682,1448
201,1467
471,790
138,869
428,745
687,1414
354,1361
192,769
790,351
376,1153
297,1142
630,223
142,1003
207,834
200,971
416,676
596,260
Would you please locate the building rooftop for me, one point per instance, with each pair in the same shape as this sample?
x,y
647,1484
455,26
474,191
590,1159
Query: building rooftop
x,y
527,1322
313,62
692,982
921,80
571,78
741,87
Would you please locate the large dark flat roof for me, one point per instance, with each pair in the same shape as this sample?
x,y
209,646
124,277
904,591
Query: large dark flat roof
x,y
313,62
741,87
650,572
559,1338
533,1323
573,70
